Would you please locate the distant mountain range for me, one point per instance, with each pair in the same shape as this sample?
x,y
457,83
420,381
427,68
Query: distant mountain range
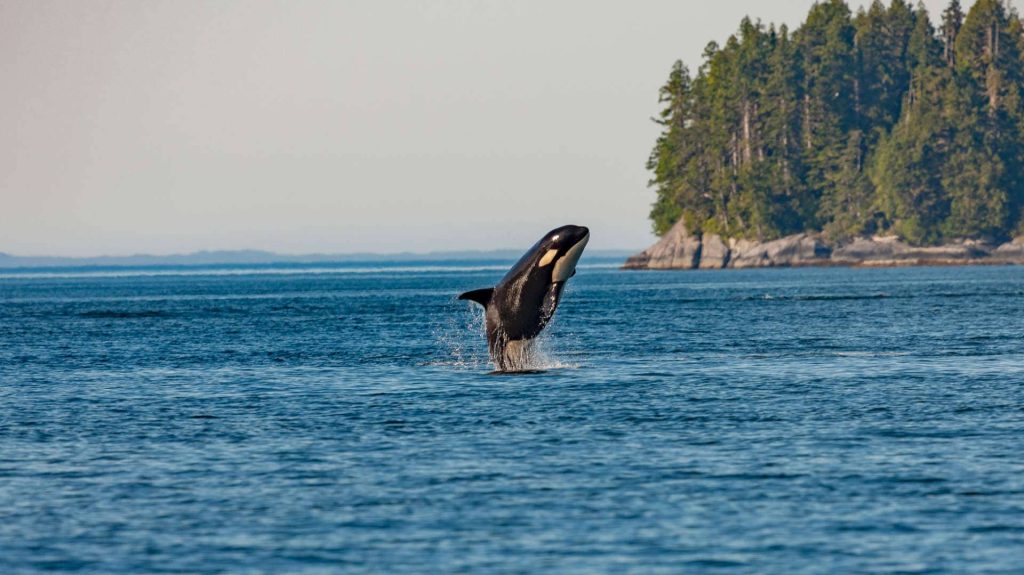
x,y
257,257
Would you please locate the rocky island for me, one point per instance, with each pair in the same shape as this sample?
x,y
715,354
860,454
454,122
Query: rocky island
x,y
867,138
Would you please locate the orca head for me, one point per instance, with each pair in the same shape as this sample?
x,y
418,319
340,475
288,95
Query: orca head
x,y
560,249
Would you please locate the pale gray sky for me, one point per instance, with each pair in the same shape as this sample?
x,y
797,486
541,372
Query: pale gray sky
x,y
337,126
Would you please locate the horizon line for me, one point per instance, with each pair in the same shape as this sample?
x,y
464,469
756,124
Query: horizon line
x,y
266,257
239,251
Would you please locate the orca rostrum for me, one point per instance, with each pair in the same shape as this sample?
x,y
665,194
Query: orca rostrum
x,y
523,302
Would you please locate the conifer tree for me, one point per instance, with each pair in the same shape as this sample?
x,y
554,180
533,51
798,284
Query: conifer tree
x,y
669,156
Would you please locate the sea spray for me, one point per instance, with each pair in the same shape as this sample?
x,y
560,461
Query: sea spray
x,y
457,337
532,355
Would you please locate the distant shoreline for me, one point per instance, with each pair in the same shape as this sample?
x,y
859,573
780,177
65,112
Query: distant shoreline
x,y
261,258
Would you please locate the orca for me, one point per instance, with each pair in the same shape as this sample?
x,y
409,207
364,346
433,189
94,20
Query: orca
x,y
523,302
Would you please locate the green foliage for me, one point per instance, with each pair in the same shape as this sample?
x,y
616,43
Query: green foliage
x,y
853,124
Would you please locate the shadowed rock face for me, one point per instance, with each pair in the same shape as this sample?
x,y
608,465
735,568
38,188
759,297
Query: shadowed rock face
x,y
1012,252
714,253
679,249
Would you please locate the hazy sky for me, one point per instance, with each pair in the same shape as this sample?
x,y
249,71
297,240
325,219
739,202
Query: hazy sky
x,y
335,126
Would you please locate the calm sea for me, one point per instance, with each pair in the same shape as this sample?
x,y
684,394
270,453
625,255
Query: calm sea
x,y
344,420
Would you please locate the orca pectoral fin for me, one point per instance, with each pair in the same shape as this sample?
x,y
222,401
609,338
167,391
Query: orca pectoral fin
x,y
547,309
480,296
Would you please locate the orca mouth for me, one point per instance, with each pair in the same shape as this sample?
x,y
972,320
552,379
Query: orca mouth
x,y
566,266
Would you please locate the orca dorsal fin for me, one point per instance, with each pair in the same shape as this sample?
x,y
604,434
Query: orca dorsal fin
x,y
480,296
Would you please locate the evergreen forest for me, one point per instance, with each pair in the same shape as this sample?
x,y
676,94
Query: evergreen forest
x,y
874,122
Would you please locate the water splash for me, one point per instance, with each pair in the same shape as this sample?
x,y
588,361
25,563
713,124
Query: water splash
x,y
543,358
461,341
530,356
458,337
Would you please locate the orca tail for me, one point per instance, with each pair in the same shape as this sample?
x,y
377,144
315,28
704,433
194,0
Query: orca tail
x,y
480,296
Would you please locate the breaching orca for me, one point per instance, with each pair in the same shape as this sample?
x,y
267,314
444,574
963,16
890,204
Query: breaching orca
x,y
522,303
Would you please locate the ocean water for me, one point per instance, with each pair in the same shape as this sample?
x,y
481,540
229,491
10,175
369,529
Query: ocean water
x,y
345,420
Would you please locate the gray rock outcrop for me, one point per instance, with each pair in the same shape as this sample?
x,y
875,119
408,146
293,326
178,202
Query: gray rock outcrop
x,y
1010,252
891,251
797,250
680,249
714,252
677,249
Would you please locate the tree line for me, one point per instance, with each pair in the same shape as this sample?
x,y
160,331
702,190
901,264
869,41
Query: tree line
x,y
853,124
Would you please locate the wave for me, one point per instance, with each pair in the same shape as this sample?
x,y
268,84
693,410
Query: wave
x,y
114,314
872,296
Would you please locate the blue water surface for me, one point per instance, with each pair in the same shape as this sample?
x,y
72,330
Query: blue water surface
x,y
344,420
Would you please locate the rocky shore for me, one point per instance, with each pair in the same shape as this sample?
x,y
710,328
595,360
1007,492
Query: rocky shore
x,y
679,249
